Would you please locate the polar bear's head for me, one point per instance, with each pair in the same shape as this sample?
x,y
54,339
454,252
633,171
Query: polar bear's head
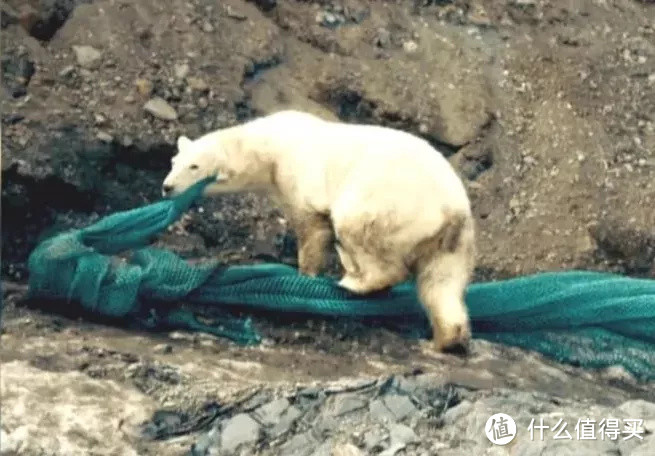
x,y
197,160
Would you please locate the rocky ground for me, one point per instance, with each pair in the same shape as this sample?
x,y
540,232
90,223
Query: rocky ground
x,y
547,109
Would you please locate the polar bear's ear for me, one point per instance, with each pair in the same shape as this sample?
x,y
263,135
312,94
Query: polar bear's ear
x,y
183,143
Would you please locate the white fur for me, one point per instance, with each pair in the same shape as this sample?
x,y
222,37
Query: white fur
x,y
384,193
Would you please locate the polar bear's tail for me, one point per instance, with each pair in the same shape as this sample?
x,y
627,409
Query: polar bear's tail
x,y
443,271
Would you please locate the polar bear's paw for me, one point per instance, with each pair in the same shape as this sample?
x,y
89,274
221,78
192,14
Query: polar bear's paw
x,y
353,284
453,339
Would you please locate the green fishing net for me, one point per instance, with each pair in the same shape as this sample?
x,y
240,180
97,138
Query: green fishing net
x,y
588,319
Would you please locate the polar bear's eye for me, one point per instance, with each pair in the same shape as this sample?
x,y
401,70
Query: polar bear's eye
x,y
193,167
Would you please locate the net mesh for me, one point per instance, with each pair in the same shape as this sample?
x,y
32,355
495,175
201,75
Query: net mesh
x,y
588,319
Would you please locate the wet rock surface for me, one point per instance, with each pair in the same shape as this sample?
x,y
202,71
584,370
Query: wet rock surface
x,y
547,110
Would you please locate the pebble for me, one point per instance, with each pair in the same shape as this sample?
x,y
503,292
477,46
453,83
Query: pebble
x,y
197,84
104,137
88,57
410,46
144,87
127,141
67,71
326,18
159,108
239,430
383,38
207,27
99,119
162,348
182,70
234,14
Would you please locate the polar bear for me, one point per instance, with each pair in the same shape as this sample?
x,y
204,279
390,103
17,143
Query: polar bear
x,y
392,204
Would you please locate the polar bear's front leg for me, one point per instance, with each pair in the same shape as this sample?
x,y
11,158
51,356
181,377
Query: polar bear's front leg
x,y
314,233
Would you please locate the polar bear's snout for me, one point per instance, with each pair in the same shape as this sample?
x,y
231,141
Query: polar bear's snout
x,y
166,189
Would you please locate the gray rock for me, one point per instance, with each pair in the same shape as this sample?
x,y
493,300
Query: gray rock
x,y
286,420
347,403
350,385
399,433
393,449
88,57
646,448
455,413
374,439
324,450
631,445
326,424
299,445
311,391
258,400
269,414
575,447
205,443
159,108
527,447
239,430
649,426
638,409
380,412
400,406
